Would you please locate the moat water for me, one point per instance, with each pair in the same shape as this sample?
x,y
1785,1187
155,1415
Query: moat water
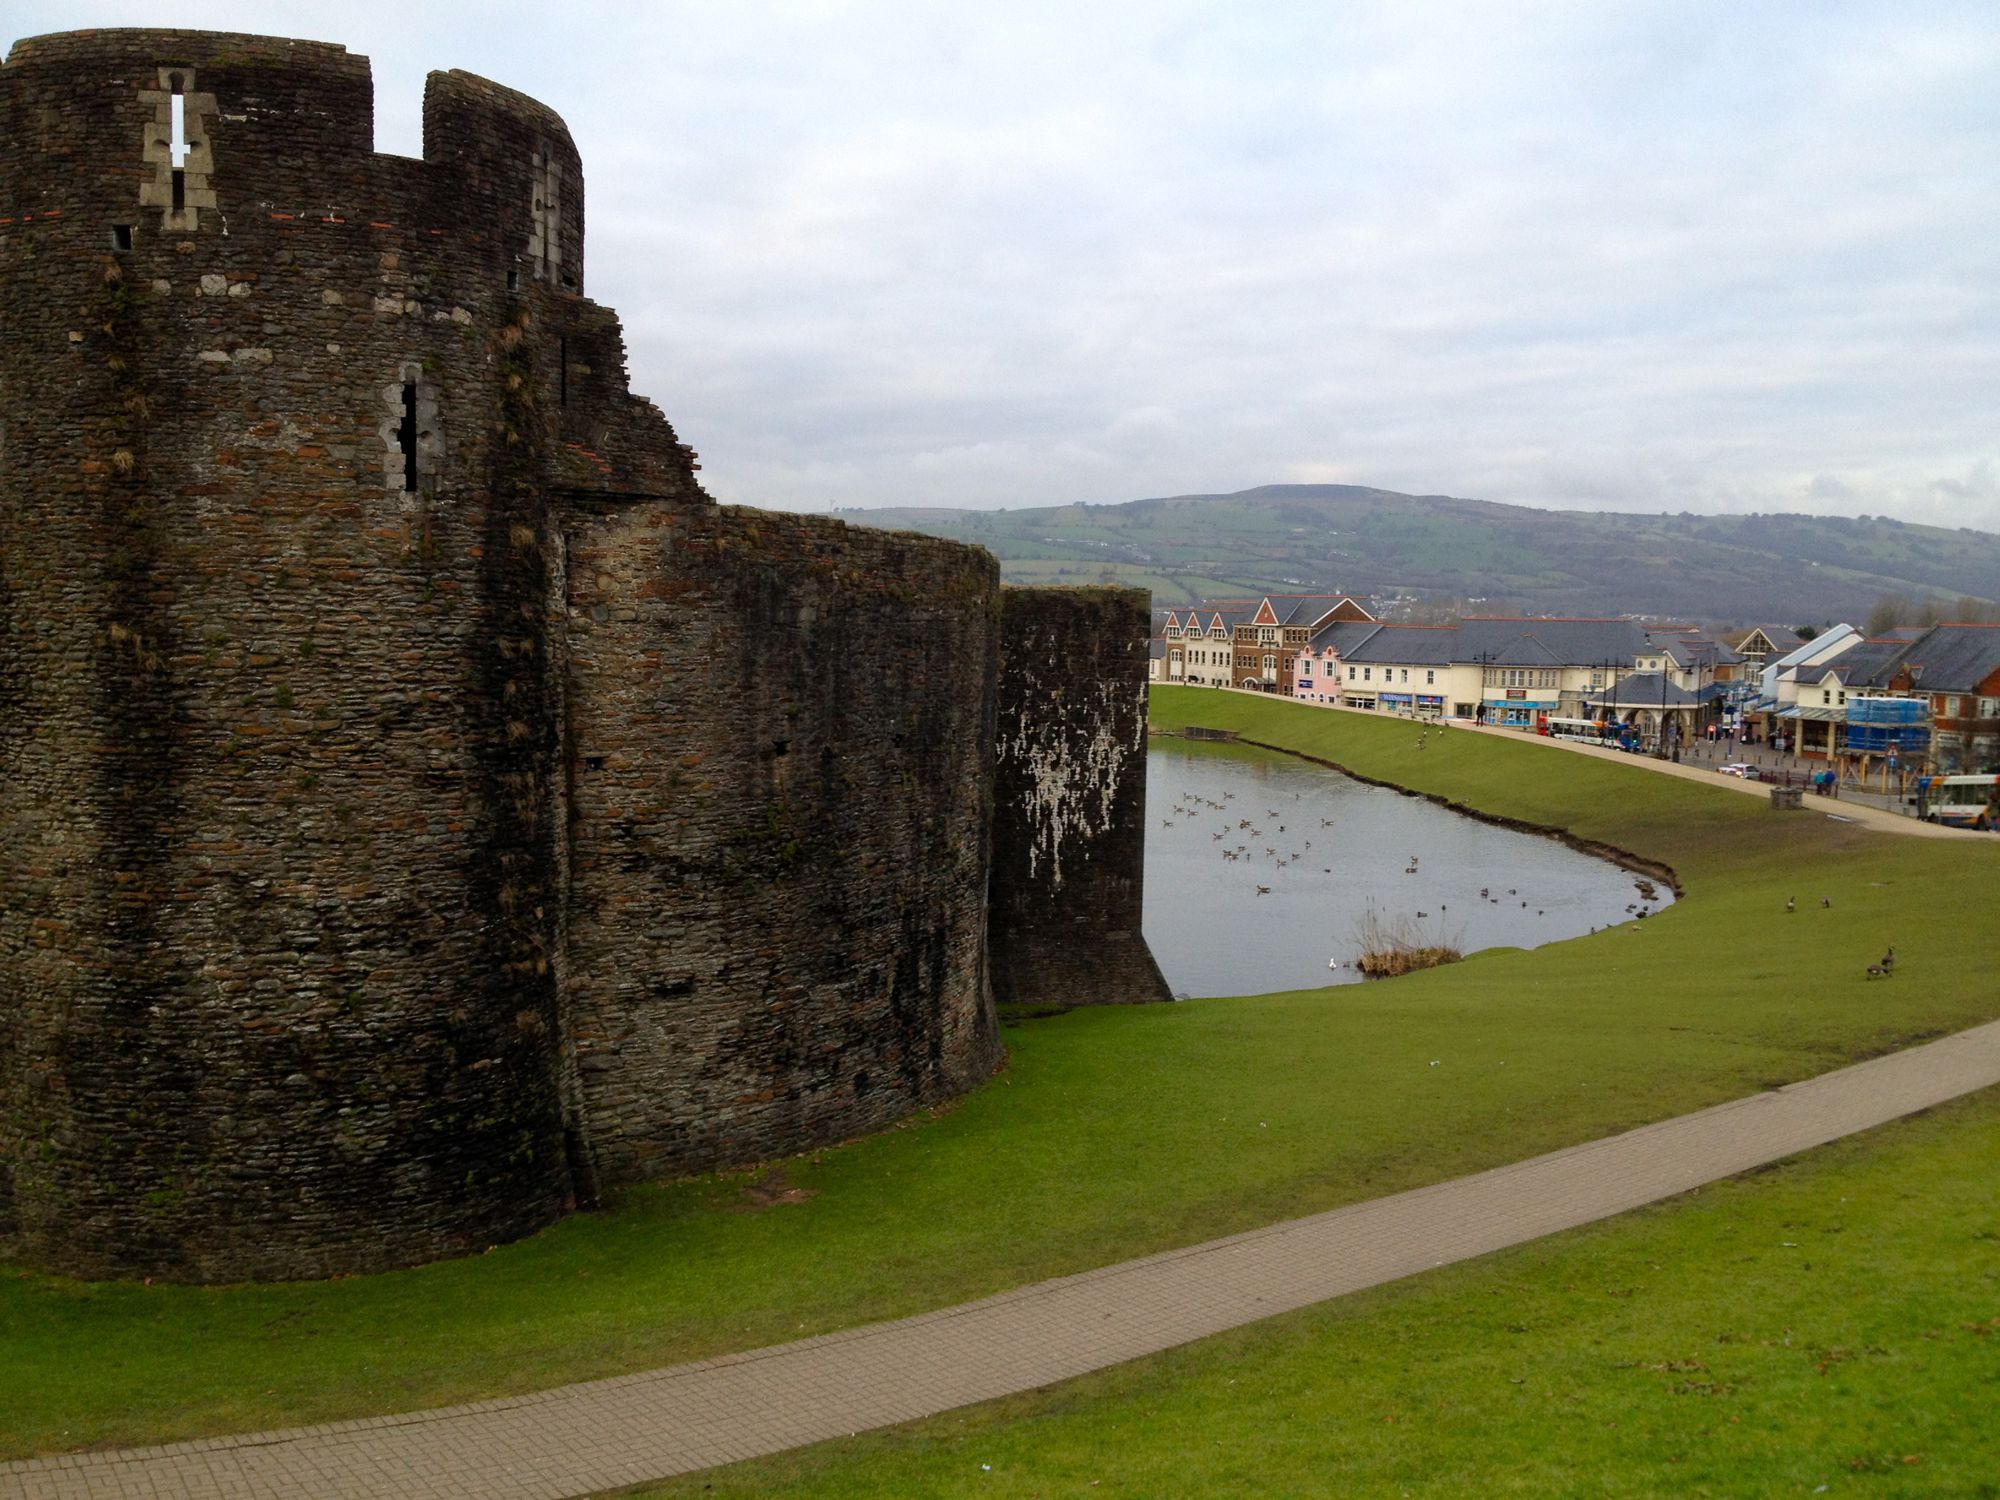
x,y
1315,852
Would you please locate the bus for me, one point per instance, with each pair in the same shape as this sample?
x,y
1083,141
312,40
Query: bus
x,y
1583,731
1965,801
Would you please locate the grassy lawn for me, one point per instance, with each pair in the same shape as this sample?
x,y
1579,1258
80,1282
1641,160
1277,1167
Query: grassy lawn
x,y
1115,1132
1830,1325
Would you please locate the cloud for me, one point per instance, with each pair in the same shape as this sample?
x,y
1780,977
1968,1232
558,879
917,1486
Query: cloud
x,y
1667,256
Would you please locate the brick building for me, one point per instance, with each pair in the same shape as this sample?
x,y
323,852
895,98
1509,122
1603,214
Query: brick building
x,y
1265,641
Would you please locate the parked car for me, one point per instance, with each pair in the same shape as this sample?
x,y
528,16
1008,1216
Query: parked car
x,y
1741,768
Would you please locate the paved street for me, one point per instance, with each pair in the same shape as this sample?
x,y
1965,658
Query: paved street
x,y
609,1433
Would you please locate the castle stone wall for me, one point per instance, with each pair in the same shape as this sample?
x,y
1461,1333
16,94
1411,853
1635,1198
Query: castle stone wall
x,y
782,785
1070,786
420,807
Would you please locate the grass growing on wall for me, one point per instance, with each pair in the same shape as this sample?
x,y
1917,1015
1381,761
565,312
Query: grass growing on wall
x,y
1118,1131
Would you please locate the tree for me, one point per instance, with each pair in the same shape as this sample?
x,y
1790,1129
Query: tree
x,y
1890,611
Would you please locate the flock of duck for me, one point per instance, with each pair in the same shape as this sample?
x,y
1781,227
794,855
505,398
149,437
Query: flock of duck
x,y
1193,806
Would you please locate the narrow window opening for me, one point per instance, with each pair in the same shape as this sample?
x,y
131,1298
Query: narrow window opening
x,y
121,237
406,435
177,146
562,377
593,763
513,281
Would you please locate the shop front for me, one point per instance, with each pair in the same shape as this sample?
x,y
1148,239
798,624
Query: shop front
x,y
1513,708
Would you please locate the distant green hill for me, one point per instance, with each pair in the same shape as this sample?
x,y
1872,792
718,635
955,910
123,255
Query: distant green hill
x,y
1326,537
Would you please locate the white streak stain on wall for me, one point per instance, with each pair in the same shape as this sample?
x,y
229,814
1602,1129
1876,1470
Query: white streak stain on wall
x,y
1074,776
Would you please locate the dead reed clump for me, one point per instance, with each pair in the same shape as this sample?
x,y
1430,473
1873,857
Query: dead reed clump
x,y
1400,945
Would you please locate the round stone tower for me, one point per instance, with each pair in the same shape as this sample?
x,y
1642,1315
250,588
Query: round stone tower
x,y
420,806
277,706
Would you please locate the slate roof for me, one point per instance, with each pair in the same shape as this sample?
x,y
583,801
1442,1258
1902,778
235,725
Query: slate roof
x,y
1344,636
1407,645
1782,639
1954,658
1232,611
1644,690
1864,664
1304,609
1529,642
1689,647
1679,652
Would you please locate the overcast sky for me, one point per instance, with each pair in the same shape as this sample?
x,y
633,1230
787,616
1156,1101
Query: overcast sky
x,y
1675,256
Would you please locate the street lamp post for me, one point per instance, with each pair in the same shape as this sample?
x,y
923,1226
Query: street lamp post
x,y
1608,670
1485,660
1660,744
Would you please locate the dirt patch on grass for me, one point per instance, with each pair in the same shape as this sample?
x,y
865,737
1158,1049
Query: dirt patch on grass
x,y
771,1189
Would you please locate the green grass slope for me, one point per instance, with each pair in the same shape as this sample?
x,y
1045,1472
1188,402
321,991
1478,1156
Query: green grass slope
x,y
1113,1132
1828,1326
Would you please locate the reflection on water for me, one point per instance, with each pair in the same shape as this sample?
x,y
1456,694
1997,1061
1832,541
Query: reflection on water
x,y
1260,866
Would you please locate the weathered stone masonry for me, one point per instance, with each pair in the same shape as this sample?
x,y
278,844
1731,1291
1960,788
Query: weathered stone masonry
x,y
1070,831
420,807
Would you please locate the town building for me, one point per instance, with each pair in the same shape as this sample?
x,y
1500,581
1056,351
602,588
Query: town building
x,y
1955,669
1198,641
1761,643
1264,646
1515,671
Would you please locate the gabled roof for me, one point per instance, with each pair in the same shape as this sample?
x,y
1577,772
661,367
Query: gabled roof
x,y
1343,636
1303,609
1954,658
1645,690
1778,639
1223,614
1690,647
1677,652
1829,643
1156,647
1318,609
1867,664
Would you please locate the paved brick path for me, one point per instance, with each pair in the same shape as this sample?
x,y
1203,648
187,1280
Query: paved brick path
x,y
609,1433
